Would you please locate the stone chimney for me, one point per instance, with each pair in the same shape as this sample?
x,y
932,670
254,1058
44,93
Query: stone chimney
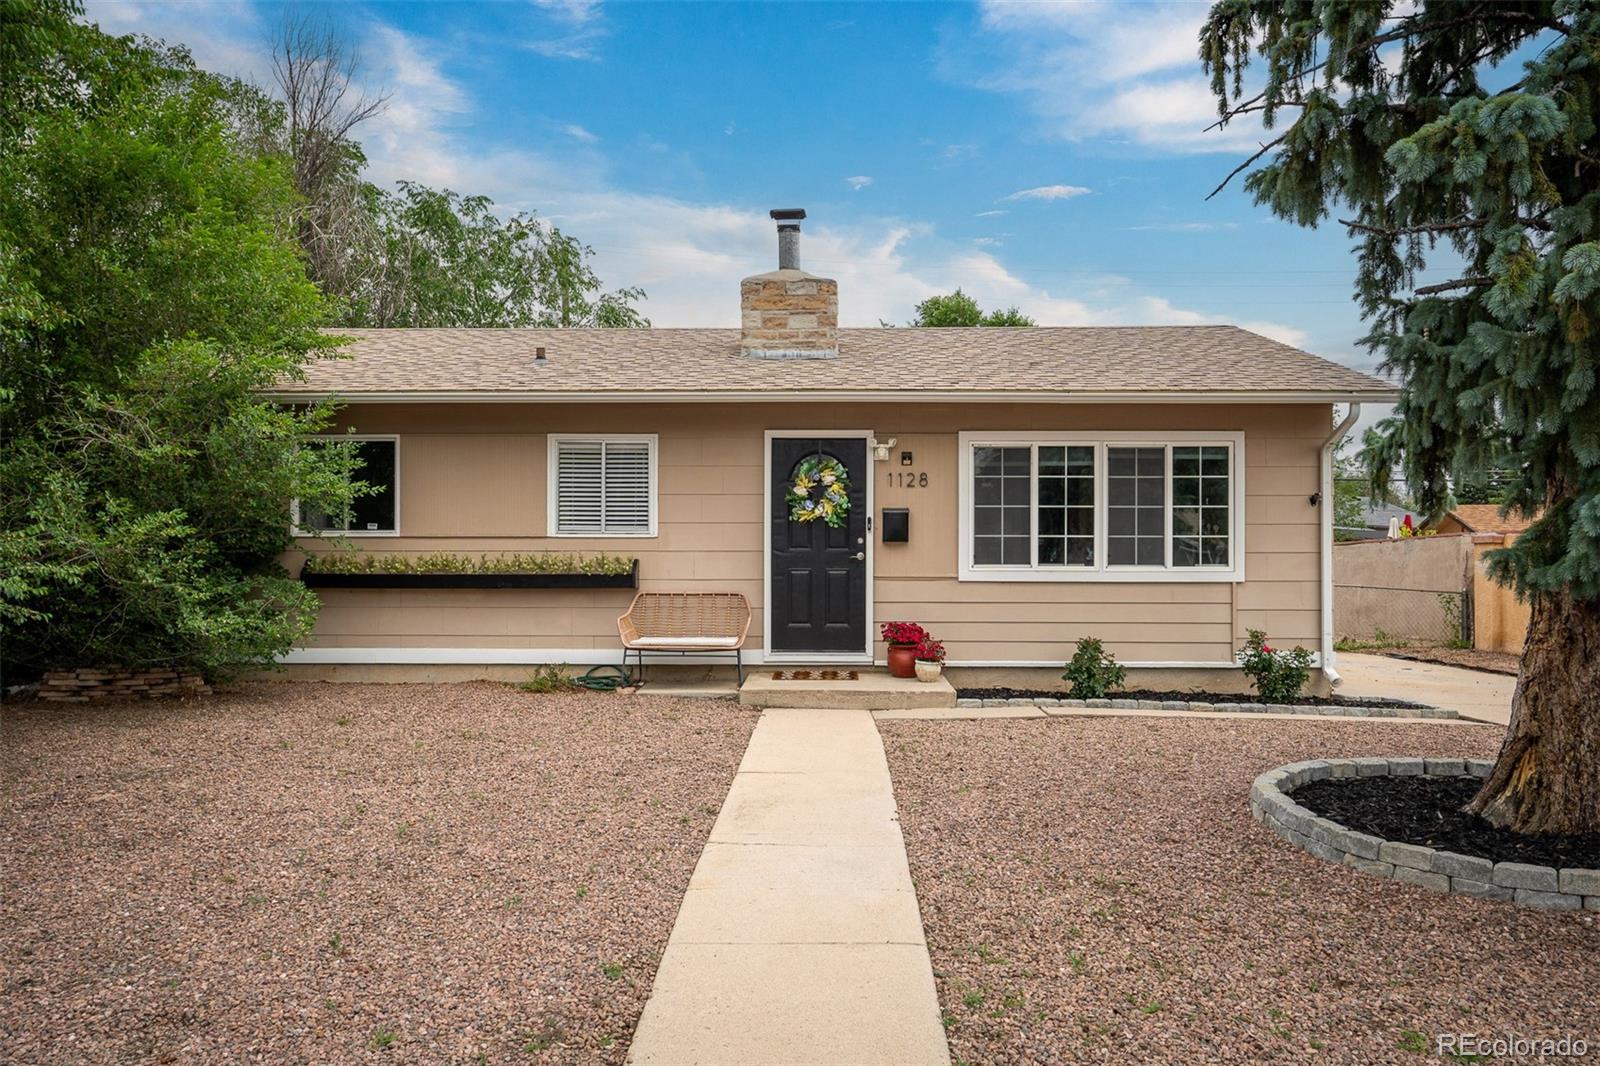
x,y
787,313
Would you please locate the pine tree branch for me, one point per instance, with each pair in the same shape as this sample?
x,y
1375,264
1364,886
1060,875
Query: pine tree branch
x,y
1440,227
1458,283
1265,148
1406,231
1405,31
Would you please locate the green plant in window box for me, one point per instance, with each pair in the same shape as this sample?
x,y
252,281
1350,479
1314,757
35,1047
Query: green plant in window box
x,y
1093,671
359,562
1279,676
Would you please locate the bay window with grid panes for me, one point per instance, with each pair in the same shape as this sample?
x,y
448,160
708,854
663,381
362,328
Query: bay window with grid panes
x,y
1118,507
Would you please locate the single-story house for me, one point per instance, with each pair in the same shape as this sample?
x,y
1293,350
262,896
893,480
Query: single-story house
x,y
1482,518
1375,520
1163,488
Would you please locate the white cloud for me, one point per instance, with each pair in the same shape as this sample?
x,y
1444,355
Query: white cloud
x,y
688,256
229,37
988,241
1049,192
577,12
1157,310
859,182
991,214
1123,72
574,46
959,151
578,133
413,136
583,34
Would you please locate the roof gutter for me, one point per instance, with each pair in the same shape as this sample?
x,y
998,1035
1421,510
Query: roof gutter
x,y
1329,656
836,396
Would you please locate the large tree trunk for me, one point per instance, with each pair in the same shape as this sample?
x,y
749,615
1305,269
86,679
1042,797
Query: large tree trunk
x,y
1547,779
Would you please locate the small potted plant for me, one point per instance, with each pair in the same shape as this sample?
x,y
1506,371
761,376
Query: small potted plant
x,y
930,659
903,638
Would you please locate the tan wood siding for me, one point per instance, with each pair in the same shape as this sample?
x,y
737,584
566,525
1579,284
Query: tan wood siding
x,y
473,479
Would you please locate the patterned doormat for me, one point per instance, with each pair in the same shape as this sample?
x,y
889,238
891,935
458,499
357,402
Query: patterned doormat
x,y
816,675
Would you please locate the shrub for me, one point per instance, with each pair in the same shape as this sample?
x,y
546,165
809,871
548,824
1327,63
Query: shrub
x,y
547,678
1093,671
903,633
1278,676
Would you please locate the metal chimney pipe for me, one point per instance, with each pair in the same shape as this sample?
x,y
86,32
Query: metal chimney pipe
x,y
788,219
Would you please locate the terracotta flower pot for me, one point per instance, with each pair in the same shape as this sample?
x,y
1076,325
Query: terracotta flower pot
x,y
928,671
902,660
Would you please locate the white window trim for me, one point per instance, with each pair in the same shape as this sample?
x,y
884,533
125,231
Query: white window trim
x,y
970,439
552,443
294,505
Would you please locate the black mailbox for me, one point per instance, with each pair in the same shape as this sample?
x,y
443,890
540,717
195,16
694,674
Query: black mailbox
x,y
896,525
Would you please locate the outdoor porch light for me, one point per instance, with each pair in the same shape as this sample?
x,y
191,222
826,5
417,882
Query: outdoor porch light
x,y
880,452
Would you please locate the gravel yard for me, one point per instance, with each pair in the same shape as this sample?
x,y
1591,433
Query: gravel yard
x,y
1096,890
346,873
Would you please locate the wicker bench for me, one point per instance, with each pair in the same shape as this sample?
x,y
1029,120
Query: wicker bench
x,y
685,623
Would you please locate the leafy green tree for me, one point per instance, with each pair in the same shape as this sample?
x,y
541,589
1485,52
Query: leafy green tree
x,y
959,309
441,259
1349,492
1483,489
150,286
1009,316
415,256
1393,115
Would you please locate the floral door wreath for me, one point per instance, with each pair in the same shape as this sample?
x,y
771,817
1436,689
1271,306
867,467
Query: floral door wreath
x,y
820,492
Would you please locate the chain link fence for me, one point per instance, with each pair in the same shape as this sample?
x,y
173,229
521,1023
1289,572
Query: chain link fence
x,y
1386,616
1412,591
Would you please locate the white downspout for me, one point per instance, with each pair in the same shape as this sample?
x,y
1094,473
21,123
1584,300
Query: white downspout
x,y
1326,496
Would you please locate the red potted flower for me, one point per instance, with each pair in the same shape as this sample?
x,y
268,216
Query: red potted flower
x,y
903,638
930,659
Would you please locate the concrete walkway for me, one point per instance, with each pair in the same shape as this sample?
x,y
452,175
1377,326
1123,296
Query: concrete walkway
x,y
1481,696
799,940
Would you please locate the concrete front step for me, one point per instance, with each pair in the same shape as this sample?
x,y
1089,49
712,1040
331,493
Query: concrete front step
x,y
874,690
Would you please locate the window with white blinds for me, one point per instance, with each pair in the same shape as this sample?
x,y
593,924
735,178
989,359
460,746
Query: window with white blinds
x,y
603,486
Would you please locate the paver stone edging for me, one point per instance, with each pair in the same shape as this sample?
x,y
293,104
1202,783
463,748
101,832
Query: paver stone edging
x,y
1272,803
1331,710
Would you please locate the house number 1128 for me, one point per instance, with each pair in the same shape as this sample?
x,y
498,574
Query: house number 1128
x,y
908,479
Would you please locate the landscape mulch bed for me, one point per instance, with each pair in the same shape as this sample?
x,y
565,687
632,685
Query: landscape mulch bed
x,y
1169,694
333,873
1095,890
1428,811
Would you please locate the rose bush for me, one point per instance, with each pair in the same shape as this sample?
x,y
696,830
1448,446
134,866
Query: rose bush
x,y
1278,676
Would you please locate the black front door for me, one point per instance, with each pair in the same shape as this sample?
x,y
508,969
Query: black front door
x,y
819,572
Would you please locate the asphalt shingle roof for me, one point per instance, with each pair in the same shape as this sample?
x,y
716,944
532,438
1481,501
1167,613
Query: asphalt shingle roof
x,y
1486,518
1087,360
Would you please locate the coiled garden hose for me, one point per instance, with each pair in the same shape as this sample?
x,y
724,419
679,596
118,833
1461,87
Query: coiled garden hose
x,y
604,678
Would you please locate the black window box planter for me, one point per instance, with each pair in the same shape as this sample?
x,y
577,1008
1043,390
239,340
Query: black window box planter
x,y
314,579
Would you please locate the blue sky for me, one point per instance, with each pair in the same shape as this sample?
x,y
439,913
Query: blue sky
x,y
1048,156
